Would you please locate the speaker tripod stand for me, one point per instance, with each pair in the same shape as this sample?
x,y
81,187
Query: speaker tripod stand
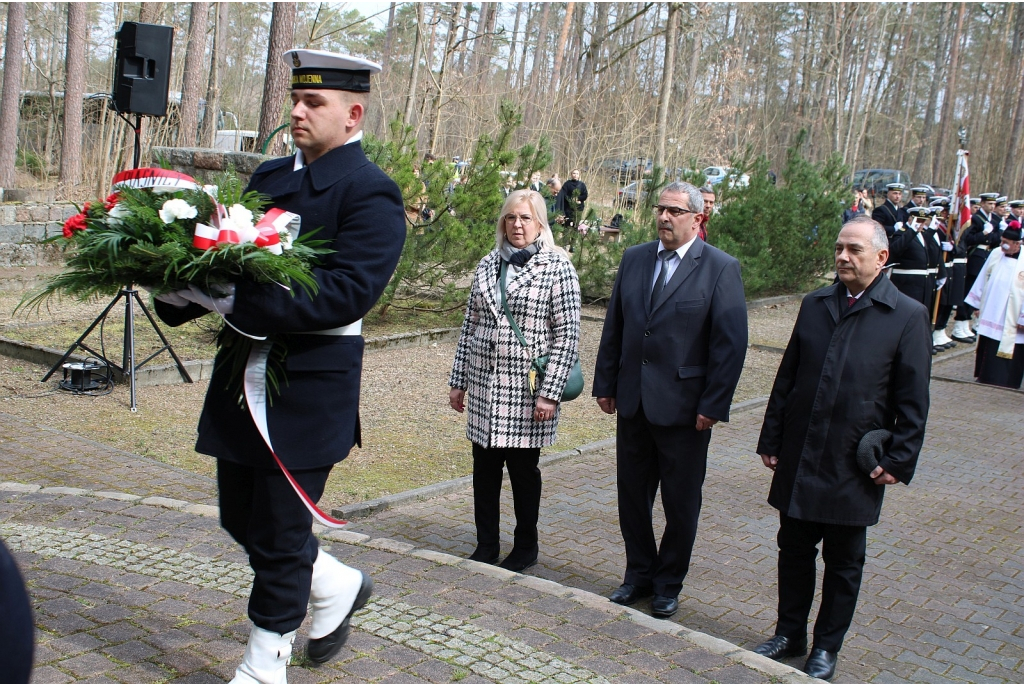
x,y
128,367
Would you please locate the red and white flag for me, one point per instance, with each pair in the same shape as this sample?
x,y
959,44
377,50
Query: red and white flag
x,y
960,206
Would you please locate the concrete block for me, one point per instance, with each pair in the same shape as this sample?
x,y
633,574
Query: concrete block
x,y
36,231
346,536
63,491
121,496
244,162
165,502
7,214
178,156
436,557
207,510
39,213
390,545
12,233
23,213
18,487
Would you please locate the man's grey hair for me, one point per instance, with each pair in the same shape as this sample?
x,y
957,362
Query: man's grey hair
x,y
707,189
696,200
879,240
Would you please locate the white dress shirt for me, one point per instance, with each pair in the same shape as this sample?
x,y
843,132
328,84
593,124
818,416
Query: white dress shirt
x,y
671,264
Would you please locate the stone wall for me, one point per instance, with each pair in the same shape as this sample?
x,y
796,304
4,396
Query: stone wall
x,y
24,227
204,164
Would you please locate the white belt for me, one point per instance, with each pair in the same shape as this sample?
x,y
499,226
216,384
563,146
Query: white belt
x,y
355,328
982,247
959,260
933,270
911,272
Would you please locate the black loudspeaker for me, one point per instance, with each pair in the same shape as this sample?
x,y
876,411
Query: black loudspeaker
x,y
142,68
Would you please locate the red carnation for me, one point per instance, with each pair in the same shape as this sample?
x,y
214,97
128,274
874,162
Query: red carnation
x,y
75,223
111,200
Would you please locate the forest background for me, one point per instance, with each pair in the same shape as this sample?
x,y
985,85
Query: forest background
x,y
811,90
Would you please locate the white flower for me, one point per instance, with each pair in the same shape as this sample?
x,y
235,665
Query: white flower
x,y
240,216
118,211
177,209
211,191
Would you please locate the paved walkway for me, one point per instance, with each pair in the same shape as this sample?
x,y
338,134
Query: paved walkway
x,y
943,593
133,580
132,583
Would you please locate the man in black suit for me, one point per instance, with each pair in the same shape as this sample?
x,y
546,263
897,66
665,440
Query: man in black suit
x,y
313,417
857,363
671,353
887,213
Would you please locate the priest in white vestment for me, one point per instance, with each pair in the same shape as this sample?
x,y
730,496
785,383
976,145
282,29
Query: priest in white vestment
x,y
998,295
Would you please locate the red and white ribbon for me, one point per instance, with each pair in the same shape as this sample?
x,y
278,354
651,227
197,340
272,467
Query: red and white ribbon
x,y
266,233
255,385
154,178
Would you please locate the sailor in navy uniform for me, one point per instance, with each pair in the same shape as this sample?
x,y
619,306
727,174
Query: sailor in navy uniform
x,y
979,238
916,256
918,198
887,212
313,418
955,257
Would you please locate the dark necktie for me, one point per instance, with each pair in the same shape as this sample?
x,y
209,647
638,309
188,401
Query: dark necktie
x,y
850,300
664,256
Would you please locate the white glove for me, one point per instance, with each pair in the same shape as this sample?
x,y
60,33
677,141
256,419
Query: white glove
x,y
1002,224
173,298
898,226
988,228
947,246
939,283
222,300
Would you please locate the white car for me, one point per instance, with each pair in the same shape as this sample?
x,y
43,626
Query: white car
x,y
717,174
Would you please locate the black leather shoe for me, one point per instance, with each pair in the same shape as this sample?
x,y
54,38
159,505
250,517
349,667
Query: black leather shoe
x,y
627,594
821,664
322,650
664,607
519,559
487,555
781,647
964,340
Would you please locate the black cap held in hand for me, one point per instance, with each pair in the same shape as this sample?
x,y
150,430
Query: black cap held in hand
x,y
871,449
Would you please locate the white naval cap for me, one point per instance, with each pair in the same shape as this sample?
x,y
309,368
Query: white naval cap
x,y
329,70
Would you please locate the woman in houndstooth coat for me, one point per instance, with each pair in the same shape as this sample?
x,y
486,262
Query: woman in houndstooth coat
x,y
506,423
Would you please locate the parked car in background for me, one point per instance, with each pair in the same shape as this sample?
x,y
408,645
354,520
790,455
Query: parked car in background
x,y
731,177
938,190
632,194
875,180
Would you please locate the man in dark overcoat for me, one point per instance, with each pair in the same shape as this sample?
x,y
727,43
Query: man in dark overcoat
x,y
858,361
313,418
671,353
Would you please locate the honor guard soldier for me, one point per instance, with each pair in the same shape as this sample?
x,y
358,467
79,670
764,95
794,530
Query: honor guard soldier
x,y
975,205
955,257
979,238
1002,211
313,417
918,198
916,255
1017,210
887,213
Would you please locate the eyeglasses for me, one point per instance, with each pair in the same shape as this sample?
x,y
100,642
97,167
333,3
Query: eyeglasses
x,y
525,218
673,211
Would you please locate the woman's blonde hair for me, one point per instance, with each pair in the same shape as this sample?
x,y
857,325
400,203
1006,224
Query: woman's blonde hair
x,y
540,215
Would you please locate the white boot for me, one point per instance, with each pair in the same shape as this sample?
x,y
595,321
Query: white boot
x,y
940,339
332,594
962,331
266,657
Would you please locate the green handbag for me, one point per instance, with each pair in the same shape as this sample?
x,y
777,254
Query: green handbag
x,y
538,365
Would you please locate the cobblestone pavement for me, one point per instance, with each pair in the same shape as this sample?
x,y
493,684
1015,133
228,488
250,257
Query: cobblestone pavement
x,y
143,587
943,592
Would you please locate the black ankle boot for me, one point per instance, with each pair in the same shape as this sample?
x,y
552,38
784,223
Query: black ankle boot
x,y
485,554
520,559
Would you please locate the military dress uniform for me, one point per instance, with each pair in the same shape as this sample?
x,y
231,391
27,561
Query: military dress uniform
x,y
886,214
955,257
313,417
904,212
916,257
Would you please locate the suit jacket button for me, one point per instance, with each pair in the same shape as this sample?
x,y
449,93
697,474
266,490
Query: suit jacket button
x,y
645,362
646,333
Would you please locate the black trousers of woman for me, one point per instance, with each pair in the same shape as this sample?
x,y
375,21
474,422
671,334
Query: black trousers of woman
x,y
524,475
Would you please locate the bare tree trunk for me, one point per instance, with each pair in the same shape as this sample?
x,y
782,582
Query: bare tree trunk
x,y
410,98
275,84
389,34
74,88
560,49
947,102
933,97
10,101
539,56
665,92
512,47
208,136
192,78
435,120
1012,155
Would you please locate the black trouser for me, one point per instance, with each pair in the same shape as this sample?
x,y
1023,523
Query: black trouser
x,y
843,550
17,635
524,475
674,457
264,514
